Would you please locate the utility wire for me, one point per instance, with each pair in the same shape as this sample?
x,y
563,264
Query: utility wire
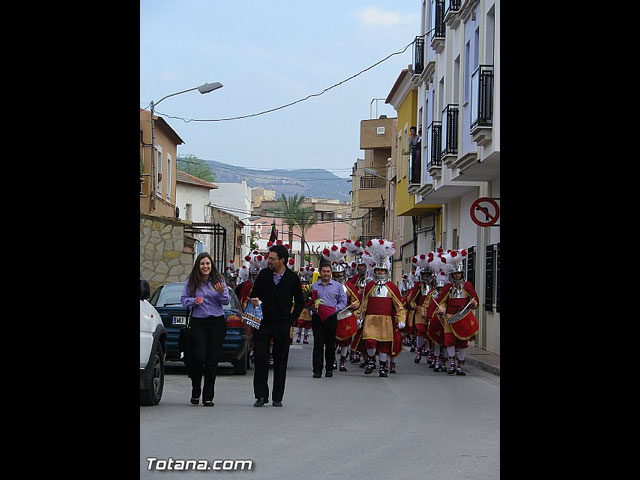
x,y
297,101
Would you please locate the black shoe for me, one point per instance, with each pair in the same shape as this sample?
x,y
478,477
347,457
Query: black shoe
x,y
329,373
317,375
195,400
208,403
260,402
277,403
370,367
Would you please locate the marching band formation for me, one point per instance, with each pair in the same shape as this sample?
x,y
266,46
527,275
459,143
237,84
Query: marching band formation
x,y
431,312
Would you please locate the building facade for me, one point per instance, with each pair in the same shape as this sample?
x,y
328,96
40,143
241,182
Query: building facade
x,y
457,71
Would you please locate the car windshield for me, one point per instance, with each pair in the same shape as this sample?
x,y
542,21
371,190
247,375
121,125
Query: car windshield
x,y
167,295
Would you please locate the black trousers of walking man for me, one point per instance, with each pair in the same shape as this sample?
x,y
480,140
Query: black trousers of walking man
x,y
261,338
324,342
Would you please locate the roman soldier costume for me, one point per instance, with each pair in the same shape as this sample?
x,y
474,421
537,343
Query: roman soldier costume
x,y
456,303
382,314
433,321
424,291
304,320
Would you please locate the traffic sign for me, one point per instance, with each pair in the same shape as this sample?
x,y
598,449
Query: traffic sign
x,y
489,208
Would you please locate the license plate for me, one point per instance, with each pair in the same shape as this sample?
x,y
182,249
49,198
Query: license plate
x,y
179,320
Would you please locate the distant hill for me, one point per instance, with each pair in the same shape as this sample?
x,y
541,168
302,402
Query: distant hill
x,y
313,182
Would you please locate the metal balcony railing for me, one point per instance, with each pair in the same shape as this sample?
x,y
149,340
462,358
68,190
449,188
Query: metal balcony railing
x,y
433,144
371,182
451,6
418,55
449,136
482,96
437,19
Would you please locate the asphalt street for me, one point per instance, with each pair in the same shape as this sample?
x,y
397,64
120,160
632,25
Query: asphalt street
x,y
414,424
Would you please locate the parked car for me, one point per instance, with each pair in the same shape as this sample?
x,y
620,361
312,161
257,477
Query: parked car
x,y
235,347
153,337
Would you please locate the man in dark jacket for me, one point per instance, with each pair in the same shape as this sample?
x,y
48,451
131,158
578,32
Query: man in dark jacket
x,y
277,287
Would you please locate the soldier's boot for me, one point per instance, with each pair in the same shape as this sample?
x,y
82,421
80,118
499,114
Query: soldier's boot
x,y
371,365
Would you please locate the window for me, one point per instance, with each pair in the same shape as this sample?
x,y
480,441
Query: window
x,y
159,171
188,211
168,178
456,80
467,73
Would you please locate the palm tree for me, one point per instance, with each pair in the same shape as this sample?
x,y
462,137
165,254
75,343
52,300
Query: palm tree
x,y
305,218
288,207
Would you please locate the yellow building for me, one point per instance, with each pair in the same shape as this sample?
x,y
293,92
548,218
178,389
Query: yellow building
x,y
158,175
404,99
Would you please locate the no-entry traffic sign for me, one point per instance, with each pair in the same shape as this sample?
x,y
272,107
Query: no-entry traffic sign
x,y
489,208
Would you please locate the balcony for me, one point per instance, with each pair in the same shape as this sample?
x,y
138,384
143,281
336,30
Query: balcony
x,y
418,56
451,10
371,182
449,134
481,104
437,25
434,165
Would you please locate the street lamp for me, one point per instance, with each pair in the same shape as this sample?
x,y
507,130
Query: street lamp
x,y
204,88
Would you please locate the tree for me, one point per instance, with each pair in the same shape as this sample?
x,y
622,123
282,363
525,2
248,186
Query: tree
x,y
304,219
287,208
194,166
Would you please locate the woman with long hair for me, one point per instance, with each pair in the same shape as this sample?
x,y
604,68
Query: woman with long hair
x,y
205,291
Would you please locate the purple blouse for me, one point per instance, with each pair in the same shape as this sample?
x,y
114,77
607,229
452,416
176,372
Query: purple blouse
x,y
212,304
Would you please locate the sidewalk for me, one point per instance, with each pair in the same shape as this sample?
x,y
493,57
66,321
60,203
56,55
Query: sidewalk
x,y
483,359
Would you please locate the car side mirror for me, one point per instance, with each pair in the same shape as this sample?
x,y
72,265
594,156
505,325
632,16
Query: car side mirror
x,y
145,290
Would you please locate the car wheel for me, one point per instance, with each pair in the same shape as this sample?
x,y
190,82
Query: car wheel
x,y
240,365
154,381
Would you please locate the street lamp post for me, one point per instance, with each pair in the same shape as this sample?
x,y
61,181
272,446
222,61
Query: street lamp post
x,y
204,88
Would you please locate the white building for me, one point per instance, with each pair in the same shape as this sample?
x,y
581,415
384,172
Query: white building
x,y
235,198
192,200
457,71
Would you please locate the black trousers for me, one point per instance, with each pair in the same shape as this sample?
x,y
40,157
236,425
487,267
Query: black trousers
x,y
208,335
261,339
324,342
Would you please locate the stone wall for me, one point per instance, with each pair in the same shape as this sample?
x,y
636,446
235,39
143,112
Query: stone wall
x,y
163,257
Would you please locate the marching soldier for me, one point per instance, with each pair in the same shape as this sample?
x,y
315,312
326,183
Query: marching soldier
x,y
304,321
455,302
382,312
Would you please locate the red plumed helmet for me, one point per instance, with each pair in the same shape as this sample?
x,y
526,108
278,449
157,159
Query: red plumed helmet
x,y
269,244
356,243
422,256
247,258
381,241
463,253
334,247
414,259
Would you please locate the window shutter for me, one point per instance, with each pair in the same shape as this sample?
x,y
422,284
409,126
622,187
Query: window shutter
x,y
489,278
498,278
471,265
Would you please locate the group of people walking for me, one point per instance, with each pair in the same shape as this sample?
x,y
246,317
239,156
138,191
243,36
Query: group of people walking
x,y
353,309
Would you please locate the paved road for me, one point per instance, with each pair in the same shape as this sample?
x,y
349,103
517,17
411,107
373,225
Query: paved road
x,y
415,424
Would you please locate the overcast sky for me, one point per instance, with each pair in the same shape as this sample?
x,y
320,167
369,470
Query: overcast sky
x,y
268,54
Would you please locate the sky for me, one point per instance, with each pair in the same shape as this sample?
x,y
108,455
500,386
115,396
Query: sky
x,y
268,54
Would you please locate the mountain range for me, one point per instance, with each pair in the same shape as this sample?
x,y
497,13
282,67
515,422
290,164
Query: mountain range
x,y
310,182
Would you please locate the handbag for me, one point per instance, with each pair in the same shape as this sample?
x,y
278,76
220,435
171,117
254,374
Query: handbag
x,y
186,346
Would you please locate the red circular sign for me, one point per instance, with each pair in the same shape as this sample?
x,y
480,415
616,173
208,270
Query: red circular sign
x,y
489,208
